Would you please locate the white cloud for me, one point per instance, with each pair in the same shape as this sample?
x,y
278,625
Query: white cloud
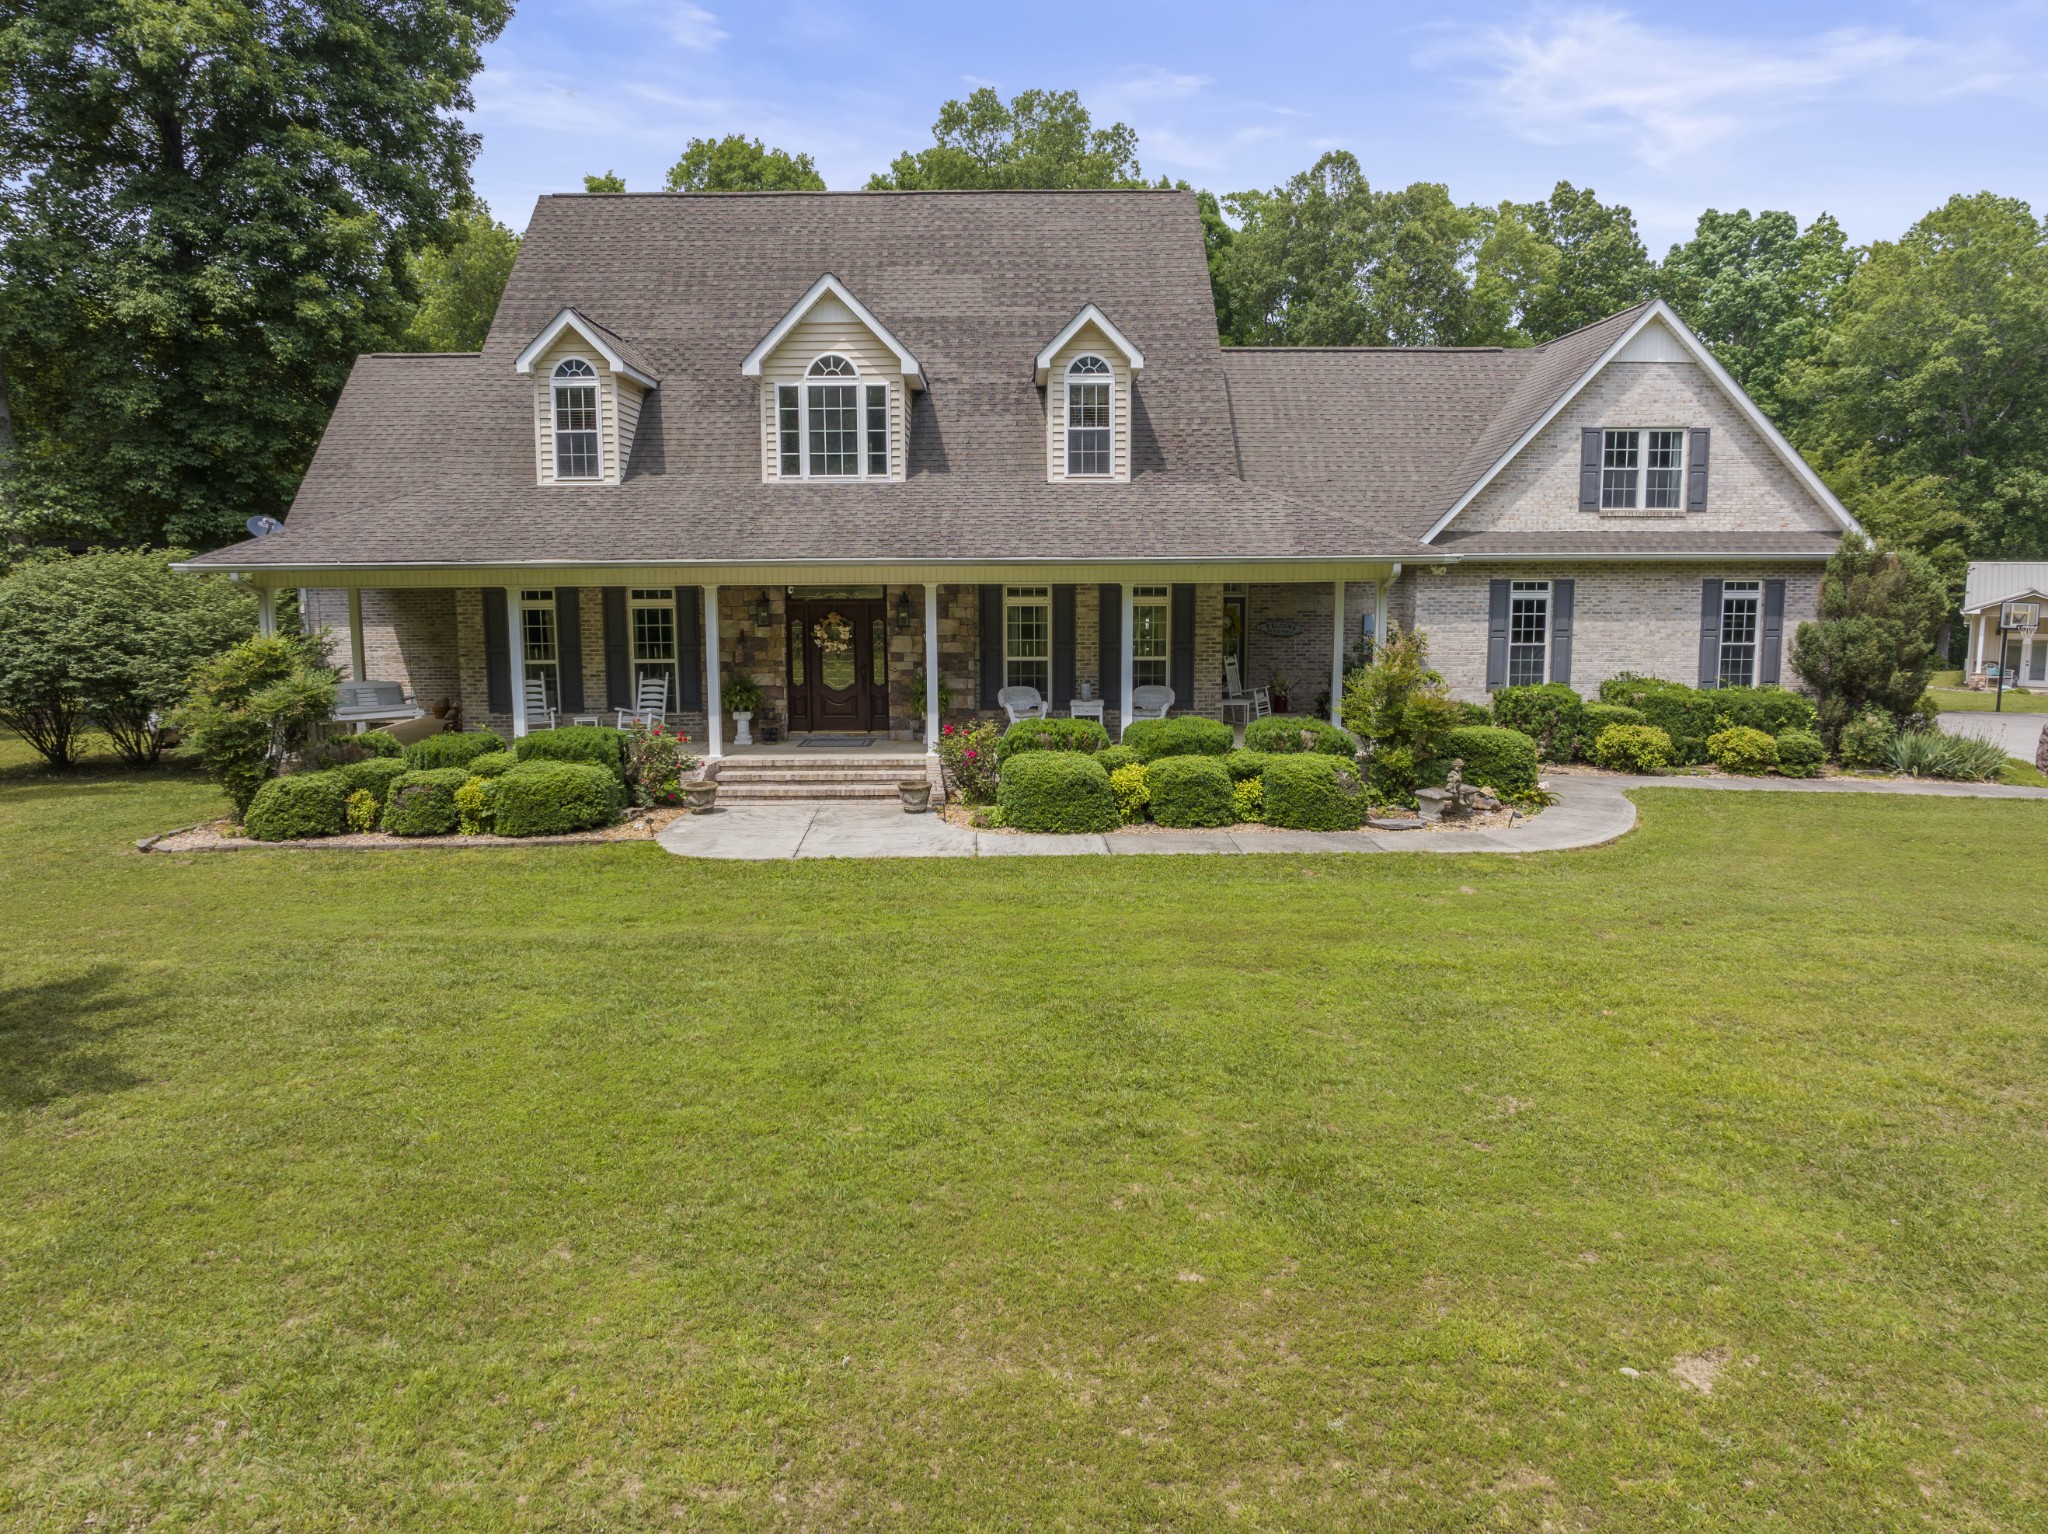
x,y
691,26
1591,73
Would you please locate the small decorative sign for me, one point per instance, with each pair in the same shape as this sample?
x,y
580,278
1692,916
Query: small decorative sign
x,y
1281,628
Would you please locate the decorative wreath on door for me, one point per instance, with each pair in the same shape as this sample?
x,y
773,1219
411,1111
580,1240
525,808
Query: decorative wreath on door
x,y
833,634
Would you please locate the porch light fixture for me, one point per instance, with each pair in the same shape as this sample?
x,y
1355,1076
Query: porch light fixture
x,y
903,612
761,611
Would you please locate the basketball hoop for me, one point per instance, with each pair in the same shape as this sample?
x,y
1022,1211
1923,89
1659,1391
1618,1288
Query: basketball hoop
x,y
2019,617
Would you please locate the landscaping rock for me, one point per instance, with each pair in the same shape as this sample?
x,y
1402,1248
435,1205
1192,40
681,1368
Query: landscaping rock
x,y
1410,824
2041,750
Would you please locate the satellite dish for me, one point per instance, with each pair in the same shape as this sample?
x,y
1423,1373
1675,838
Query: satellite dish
x,y
263,527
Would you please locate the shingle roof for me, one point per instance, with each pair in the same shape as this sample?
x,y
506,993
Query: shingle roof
x,y
1635,542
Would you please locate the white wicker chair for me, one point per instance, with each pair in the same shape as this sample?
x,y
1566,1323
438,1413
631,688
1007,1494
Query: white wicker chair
x,y
1151,702
1022,703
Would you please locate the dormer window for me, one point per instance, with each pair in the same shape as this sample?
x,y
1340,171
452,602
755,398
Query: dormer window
x,y
577,455
1089,385
833,425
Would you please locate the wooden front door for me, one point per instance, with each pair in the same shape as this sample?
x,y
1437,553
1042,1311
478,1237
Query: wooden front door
x,y
838,666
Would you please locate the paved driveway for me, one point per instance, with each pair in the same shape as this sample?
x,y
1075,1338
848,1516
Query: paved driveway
x,y
2020,734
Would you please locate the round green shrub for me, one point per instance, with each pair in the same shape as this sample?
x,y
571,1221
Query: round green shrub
x,y
1245,764
446,750
547,798
1552,715
298,808
374,776
595,744
1187,735
1867,741
493,764
361,810
1770,708
1248,800
1190,791
423,803
1632,748
1500,759
1596,717
1295,733
1051,735
1312,792
1800,754
1056,791
1113,757
1132,785
1473,713
380,743
1741,749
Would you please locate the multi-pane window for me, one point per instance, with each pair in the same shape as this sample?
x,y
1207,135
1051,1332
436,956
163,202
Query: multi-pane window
x,y
1741,607
651,624
789,430
1642,470
1027,638
878,431
1150,612
1088,420
576,450
832,426
1528,633
540,644
834,420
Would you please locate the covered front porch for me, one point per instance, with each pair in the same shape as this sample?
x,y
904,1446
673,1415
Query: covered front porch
x,y
835,652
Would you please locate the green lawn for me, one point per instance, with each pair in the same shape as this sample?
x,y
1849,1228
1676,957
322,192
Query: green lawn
x,y
592,1189
1963,701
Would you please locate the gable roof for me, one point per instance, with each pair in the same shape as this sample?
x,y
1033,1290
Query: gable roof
x,y
825,287
1988,582
1089,315
618,353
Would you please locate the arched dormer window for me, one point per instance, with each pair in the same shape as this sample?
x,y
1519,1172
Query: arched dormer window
x,y
577,454
832,425
1089,411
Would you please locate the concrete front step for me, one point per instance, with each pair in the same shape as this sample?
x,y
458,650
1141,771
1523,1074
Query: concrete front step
x,y
824,775
753,792
807,762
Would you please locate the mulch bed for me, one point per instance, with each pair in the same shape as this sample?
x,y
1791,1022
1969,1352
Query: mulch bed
x,y
213,836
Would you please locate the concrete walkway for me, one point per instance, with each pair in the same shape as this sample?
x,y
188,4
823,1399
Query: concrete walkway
x,y
1590,809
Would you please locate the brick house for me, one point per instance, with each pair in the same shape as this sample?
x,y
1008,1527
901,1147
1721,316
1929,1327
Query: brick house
x,y
863,447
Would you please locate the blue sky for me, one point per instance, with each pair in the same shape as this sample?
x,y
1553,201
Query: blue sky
x,y
1873,112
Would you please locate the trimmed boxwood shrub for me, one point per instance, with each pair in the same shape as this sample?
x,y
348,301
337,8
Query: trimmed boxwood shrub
x,y
1132,785
1741,749
1500,759
298,808
1774,710
1632,748
1473,713
1292,734
1690,714
1552,715
445,750
546,798
1248,800
493,764
1596,717
1800,754
1312,792
380,743
1051,735
1113,757
1187,735
1867,740
374,776
1056,791
595,744
423,803
1190,791
1245,765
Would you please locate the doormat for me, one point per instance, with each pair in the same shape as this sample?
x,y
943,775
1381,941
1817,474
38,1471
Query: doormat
x,y
839,742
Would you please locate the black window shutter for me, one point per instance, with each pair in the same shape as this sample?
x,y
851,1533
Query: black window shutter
x,y
1710,633
497,652
1180,648
1696,469
569,647
1062,646
618,658
1561,631
1591,440
991,645
690,658
1771,649
1109,628
1496,634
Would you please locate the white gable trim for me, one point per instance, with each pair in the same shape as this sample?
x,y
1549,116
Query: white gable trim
x,y
1697,351
1089,315
569,319
913,375
1992,604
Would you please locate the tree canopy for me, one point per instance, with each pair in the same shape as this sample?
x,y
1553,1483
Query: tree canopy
x,y
1038,139
460,284
737,163
610,181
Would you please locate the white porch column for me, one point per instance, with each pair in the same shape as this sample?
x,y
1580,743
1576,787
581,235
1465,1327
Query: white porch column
x,y
1124,661
1382,599
516,652
714,679
1336,652
931,667
355,635
266,611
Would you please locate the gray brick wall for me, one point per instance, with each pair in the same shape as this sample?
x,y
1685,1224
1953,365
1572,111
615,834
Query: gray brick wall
x,y
408,637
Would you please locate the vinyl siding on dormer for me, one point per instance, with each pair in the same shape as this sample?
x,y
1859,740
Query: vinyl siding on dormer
x,y
1088,339
831,327
609,407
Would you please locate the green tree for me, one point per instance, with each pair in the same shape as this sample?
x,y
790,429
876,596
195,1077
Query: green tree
x,y
1873,646
1039,139
460,284
205,215
737,163
1756,288
1934,372
1402,710
610,181
1599,266
254,707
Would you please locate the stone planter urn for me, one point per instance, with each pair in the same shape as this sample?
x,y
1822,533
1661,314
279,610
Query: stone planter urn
x,y
699,794
742,735
917,795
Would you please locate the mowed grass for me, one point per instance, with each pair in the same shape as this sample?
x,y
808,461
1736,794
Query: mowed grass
x,y
593,1189
1962,700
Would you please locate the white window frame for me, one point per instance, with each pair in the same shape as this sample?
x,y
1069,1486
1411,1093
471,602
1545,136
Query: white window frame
x,y
1106,381
1530,592
862,385
540,603
1637,485
1736,593
1159,599
1040,599
556,431
654,599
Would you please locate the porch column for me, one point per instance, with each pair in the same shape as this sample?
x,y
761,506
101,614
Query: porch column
x,y
355,635
1382,594
714,679
1336,652
931,667
266,611
515,651
1124,661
